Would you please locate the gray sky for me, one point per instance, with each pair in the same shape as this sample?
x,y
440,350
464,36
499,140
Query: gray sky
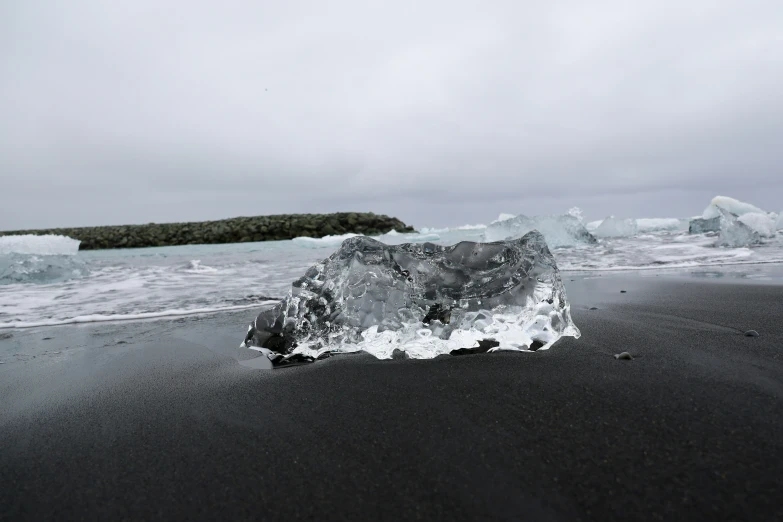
x,y
439,113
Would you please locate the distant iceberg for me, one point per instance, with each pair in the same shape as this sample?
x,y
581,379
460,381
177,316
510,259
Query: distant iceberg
x,y
616,227
720,214
46,245
559,231
779,222
661,224
39,259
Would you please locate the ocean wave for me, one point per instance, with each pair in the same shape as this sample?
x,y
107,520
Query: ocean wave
x,y
40,269
100,318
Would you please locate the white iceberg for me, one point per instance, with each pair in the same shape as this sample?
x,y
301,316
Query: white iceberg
x,y
734,206
616,227
661,224
46,245
779,222
559,231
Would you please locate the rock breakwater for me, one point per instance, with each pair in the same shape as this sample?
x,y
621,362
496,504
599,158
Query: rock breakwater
x,y
233,230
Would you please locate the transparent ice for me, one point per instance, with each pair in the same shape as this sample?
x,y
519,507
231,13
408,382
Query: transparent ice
x,y
734,233
559,231
424,299
702,226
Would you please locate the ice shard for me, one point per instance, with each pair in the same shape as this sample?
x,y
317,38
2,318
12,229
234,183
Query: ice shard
x,y
423,299
734,233
701,225
559,231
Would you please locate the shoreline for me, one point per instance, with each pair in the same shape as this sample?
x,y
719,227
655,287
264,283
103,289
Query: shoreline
x,y
160,420
231,230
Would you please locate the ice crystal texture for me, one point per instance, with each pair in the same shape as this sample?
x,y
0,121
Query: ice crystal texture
x,y
734,233
423,299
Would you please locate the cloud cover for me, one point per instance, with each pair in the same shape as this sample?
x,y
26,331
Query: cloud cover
x,y
440,112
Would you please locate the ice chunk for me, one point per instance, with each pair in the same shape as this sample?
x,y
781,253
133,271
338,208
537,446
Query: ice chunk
x,y
49,245
761,222
661,224
423,299
559,231
322,242
734,233
701,225
731,205
779,222
616,227
591,226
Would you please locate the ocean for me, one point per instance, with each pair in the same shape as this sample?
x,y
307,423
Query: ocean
x,y
49,282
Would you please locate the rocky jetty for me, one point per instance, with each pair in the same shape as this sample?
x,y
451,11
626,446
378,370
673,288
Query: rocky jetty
x,y
233,230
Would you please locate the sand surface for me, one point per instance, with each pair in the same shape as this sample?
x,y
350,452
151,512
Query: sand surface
x,y
158,420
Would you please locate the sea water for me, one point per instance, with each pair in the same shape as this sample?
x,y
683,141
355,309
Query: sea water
x,y
55,285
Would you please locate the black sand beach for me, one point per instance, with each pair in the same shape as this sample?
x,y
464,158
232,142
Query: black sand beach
x,y
157,420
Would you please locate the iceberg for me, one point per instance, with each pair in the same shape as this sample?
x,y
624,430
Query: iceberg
x,y
423,299
761,222
661,224
731,205
559,231
616,227
702,226
48,245
734,233
779,222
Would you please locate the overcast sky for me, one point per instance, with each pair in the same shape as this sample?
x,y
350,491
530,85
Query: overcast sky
x,y
437,112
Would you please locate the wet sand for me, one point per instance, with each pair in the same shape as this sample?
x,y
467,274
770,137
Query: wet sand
x,y
158,420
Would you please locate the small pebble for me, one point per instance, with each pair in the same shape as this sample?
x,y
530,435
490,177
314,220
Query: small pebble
x,y
623,291
625,356
593,308
751,333
47,339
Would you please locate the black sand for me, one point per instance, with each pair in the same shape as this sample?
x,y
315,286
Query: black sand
x,y
167,425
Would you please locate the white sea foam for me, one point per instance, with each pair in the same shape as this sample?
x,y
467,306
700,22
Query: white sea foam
x,y
99,318
47,245
322,242
661,224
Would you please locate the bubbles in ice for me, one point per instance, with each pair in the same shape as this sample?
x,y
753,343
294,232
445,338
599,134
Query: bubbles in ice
x,y
558,231
616,227
423,299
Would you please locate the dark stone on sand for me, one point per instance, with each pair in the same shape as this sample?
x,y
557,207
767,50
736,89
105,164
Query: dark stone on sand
x,y
623,291
593,308
751,333
535,345
47,339
232,230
